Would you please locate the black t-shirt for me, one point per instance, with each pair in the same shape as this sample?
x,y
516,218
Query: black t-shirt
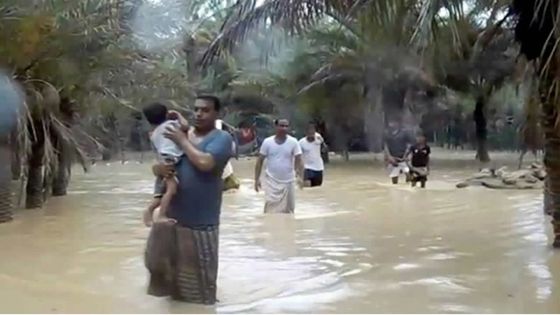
x,y
420,155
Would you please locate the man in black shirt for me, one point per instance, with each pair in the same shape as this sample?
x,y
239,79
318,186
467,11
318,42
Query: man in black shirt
x,y
420,161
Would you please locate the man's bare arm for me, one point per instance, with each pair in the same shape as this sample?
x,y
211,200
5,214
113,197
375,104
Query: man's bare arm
x,y
258,170
258,167
299,166
407,152
201,160
388,155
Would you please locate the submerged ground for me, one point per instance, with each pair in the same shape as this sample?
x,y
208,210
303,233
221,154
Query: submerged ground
x,y
357,244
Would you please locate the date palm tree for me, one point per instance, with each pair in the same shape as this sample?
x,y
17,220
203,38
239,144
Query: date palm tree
x,y
538,33
12,104
417,37
48,61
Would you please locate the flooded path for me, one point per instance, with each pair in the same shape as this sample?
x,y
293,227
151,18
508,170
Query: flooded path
x,y
355,245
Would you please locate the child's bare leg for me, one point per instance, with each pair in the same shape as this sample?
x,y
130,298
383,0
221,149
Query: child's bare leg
x,y
148,213
170,190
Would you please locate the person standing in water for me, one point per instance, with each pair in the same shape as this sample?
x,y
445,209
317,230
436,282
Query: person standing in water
x,y
396,143
283,154
312,161
420,161
193,244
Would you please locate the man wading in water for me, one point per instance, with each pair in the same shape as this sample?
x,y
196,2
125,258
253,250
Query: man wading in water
x,y
281,151
311,146
397,141
190,250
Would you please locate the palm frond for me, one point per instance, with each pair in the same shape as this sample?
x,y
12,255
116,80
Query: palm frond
x,y
294,16
49,149
337,79
68,138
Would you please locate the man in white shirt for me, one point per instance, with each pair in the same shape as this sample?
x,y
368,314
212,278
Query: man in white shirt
x,y
283,158
312,160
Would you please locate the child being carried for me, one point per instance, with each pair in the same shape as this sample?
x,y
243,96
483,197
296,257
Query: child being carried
x,y
168,152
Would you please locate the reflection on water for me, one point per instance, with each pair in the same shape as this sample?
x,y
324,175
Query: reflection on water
x,y
355,245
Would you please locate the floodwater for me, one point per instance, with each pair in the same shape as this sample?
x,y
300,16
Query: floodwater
x,y
355,245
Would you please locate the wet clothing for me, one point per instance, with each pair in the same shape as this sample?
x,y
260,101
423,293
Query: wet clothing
x,y
280,157
420,156
167,150
311,153
279,177
183,258
397,169
315,177
158,257
398,142
419,161
419,174
279,195
183,262
199,194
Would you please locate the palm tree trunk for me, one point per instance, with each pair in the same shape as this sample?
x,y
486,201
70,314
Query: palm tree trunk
x,y
551,157
106,155
48,178
63,171
34,191
481,130
373,120
16,165
6,197
547,203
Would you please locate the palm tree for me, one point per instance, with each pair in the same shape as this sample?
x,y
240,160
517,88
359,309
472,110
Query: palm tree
x,y
72,59
54,38
537,32
6,198
11,104
382,39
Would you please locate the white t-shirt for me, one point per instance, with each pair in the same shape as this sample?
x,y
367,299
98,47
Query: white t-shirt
x,y
219,124
163,145
280,157
312,159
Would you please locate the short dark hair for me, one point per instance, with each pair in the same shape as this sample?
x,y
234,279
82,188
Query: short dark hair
x,y
211,98
277,121
155,113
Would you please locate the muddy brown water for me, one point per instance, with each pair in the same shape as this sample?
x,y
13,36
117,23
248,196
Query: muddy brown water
x,y
357,244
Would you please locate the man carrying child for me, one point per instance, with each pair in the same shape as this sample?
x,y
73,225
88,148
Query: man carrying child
x,y
188,246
